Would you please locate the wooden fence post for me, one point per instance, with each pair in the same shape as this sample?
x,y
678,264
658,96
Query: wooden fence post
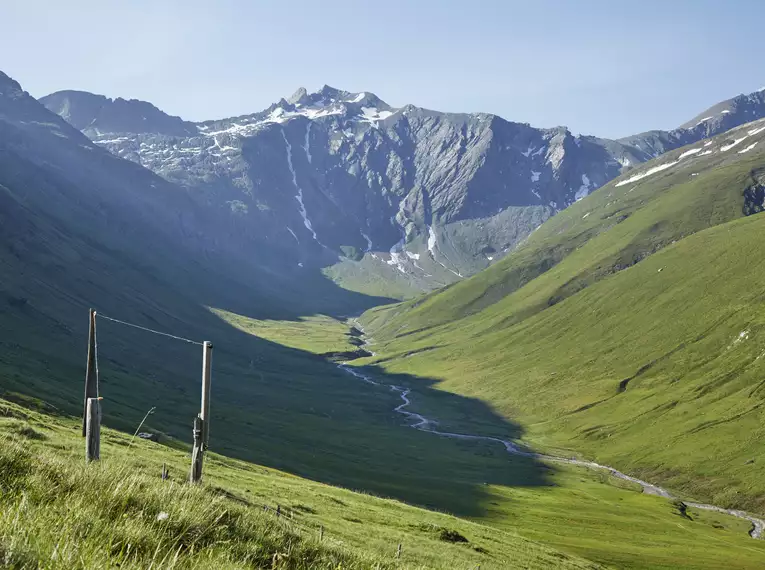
x,y
398,552
196,452
321,533
202,421
93,430
165,472
90,371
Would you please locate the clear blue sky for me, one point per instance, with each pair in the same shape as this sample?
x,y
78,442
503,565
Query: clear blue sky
x,y
600,67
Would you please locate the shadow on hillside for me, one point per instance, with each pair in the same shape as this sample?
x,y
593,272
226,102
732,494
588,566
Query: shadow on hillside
x,y
275,406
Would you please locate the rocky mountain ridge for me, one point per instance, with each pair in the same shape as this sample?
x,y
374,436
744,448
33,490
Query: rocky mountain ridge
x,y
406,197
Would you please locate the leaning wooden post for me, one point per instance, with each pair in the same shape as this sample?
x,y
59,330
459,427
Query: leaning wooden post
x,y
93,430
90,371
398,551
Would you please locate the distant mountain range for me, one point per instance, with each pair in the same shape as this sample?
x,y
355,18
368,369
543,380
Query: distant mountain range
x,y
386,200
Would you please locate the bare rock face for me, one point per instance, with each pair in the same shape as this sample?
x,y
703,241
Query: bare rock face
x,y
374,193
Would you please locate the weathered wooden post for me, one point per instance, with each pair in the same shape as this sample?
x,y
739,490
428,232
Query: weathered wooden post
x,y
165,472
91,390
321,533
202,421
398,552
196,452
93,430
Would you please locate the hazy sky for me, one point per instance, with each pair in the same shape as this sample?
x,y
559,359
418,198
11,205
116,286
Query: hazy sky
x,y
600,67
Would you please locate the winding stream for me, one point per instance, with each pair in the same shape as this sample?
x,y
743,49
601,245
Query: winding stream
x,y
420,422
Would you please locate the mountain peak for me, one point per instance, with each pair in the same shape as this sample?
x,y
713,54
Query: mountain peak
x,y
331,92
328,96
9,87
299,97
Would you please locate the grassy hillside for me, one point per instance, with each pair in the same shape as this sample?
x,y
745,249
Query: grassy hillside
x,y
629,220
60,513
357,441
106,514
626,328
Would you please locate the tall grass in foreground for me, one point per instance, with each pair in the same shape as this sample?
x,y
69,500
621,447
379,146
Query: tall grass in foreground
x,y
58,514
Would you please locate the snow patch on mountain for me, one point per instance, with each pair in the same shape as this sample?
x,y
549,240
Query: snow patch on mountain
x,y
648,172
251,125
734,143
299,195
432,240
584,189
689,153
369,242
747,149
373,115
307,143
395,256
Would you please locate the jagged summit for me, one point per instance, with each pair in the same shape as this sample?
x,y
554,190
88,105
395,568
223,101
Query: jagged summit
x,y
9,87
328,96
298,97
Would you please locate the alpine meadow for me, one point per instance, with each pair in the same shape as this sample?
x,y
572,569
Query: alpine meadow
x,y
340,333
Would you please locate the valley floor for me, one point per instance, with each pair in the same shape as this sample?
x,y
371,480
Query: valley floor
x,y
588,512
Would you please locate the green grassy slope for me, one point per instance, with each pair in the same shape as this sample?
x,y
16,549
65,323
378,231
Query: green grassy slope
x,y
581,512
623,329
697,193
344,432
60,513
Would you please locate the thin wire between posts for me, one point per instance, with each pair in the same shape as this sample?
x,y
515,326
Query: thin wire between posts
x,y
149,330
